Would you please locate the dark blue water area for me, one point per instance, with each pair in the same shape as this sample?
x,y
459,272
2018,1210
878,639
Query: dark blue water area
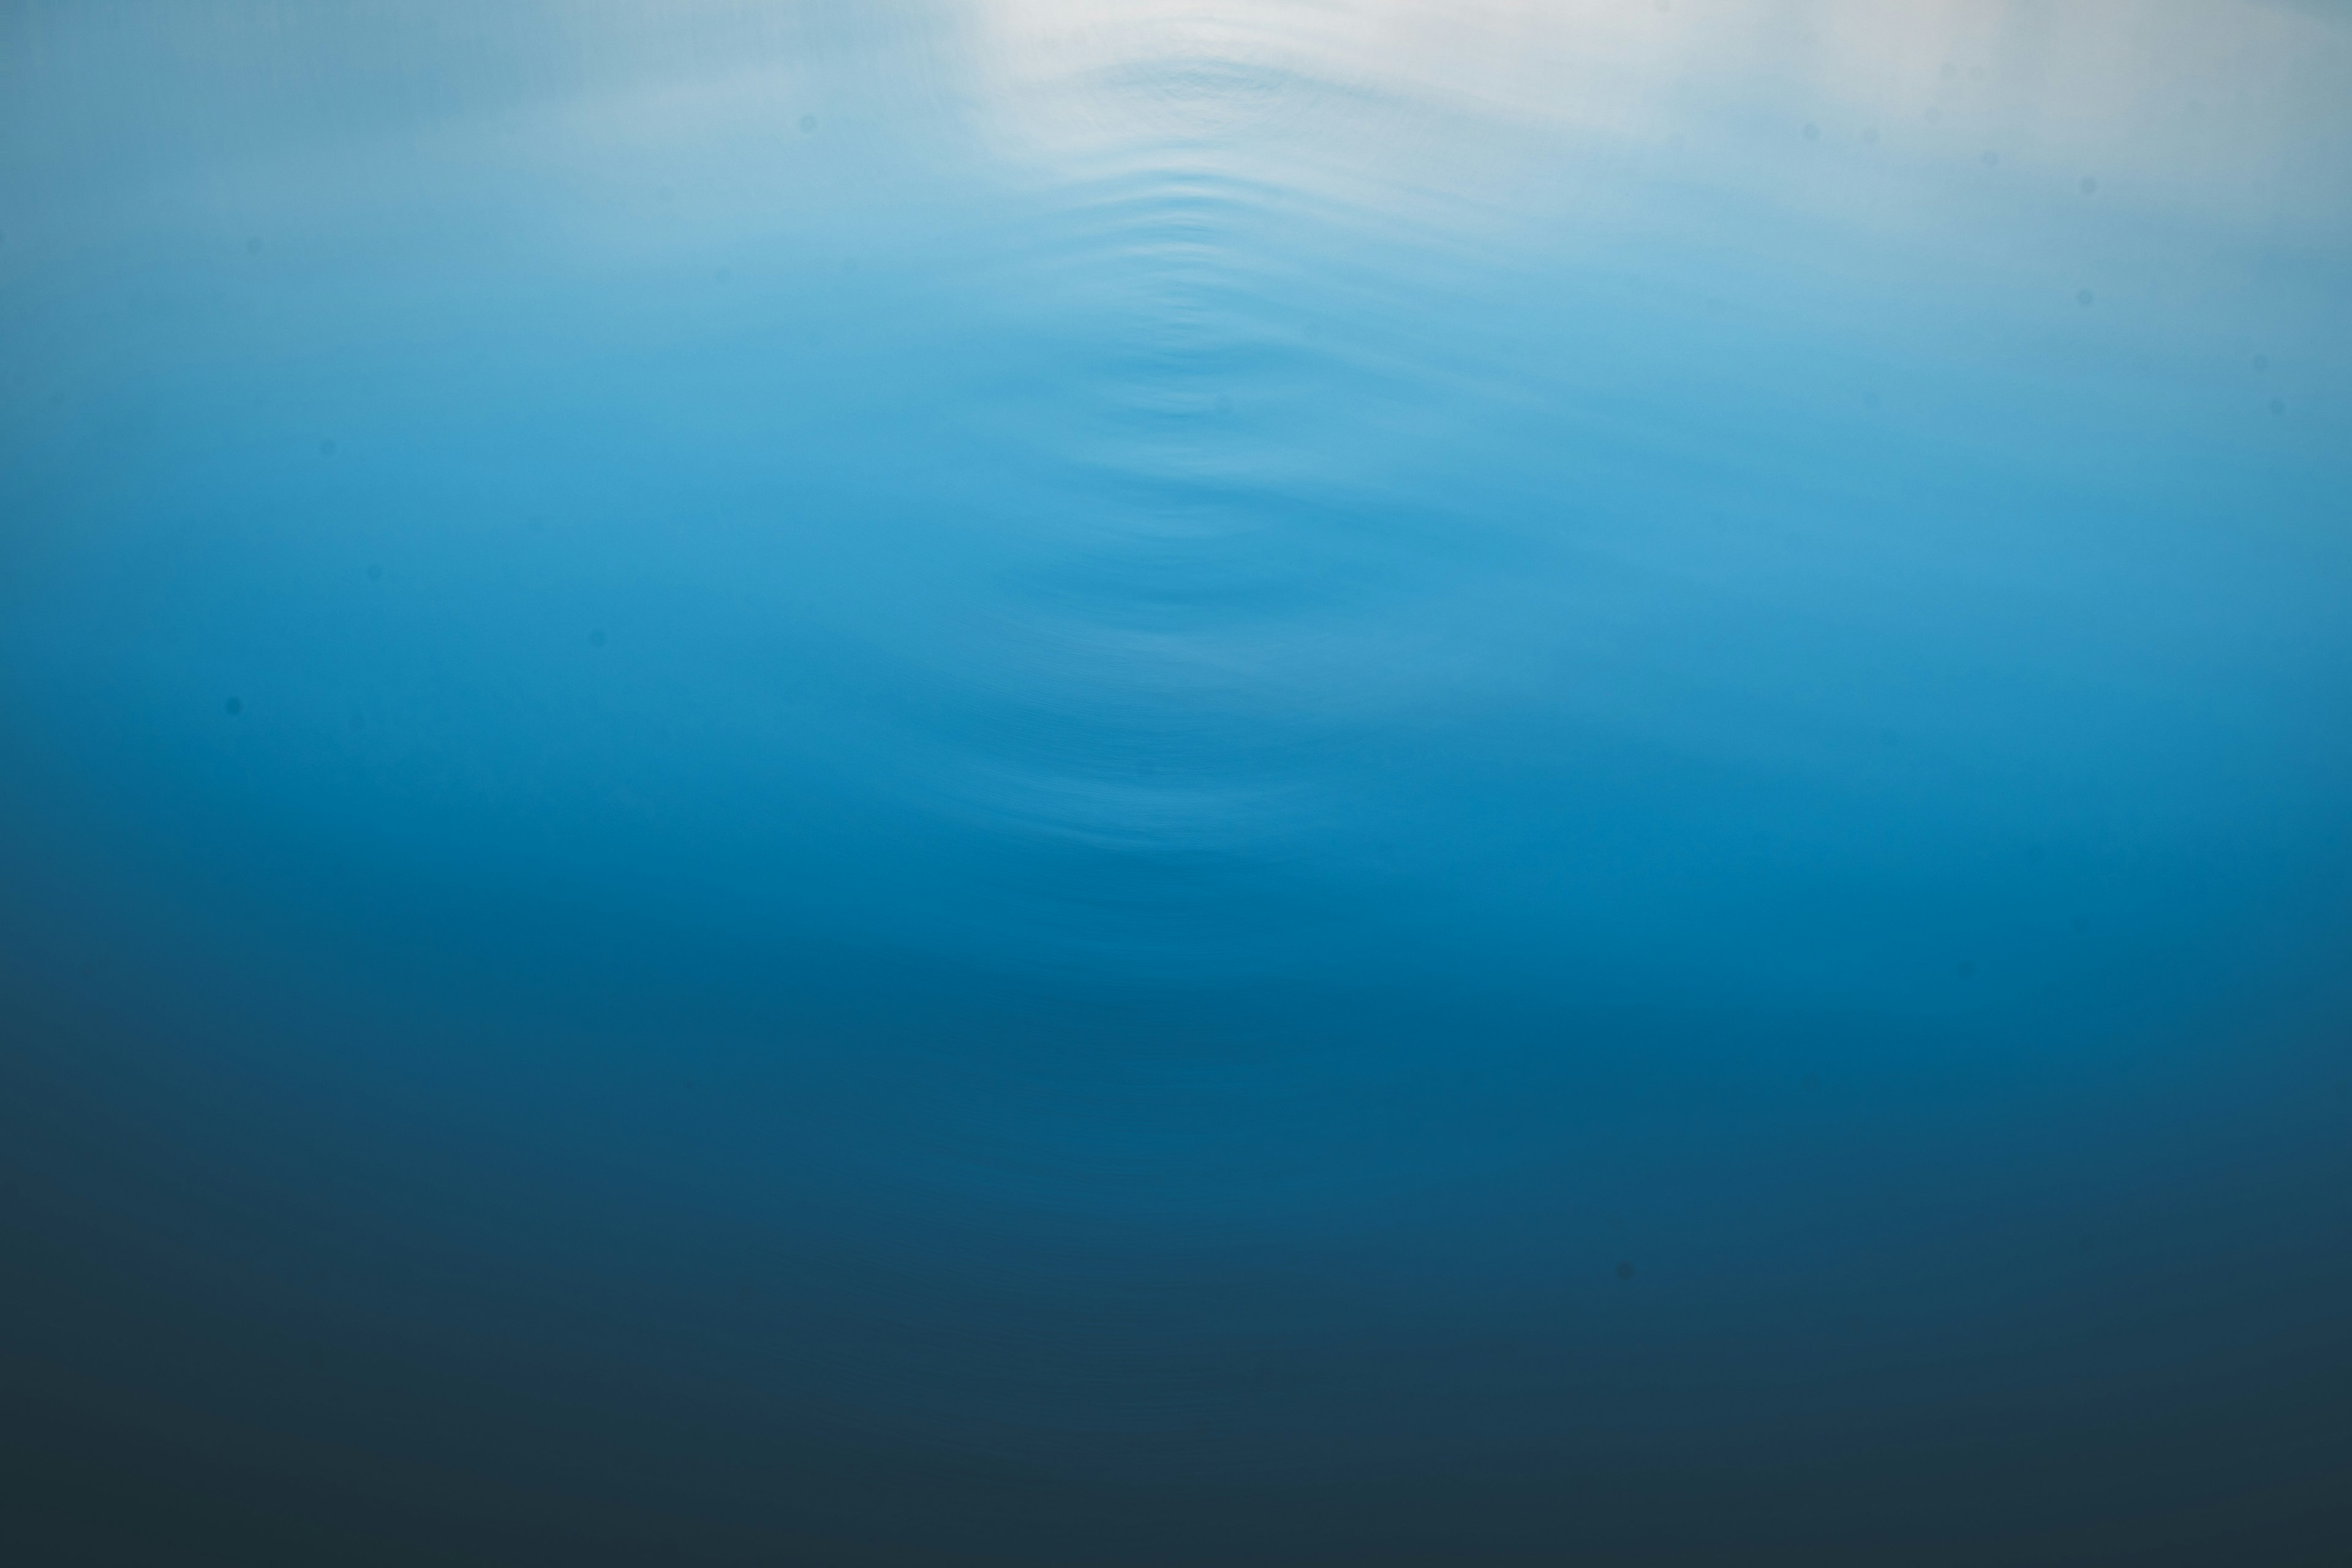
x,y
1174,784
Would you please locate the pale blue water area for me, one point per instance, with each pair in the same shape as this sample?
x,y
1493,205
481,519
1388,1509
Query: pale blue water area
x,y
1151,783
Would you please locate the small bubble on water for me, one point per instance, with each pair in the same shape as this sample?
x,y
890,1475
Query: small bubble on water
x,y
2090,184
1625,1271
2083,296
808,123
234,705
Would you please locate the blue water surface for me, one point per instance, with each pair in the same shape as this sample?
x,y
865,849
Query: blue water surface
x,y
1174,781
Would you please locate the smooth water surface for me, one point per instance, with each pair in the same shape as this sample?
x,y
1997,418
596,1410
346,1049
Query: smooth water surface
x,y
1120,782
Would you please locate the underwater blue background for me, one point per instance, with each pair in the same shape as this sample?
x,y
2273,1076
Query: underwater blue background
x,y
1145,783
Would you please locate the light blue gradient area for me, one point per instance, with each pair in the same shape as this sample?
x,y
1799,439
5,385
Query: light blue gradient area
x,y
1118,735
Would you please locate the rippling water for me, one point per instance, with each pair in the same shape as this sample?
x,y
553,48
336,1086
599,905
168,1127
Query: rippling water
x,y
1172,783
